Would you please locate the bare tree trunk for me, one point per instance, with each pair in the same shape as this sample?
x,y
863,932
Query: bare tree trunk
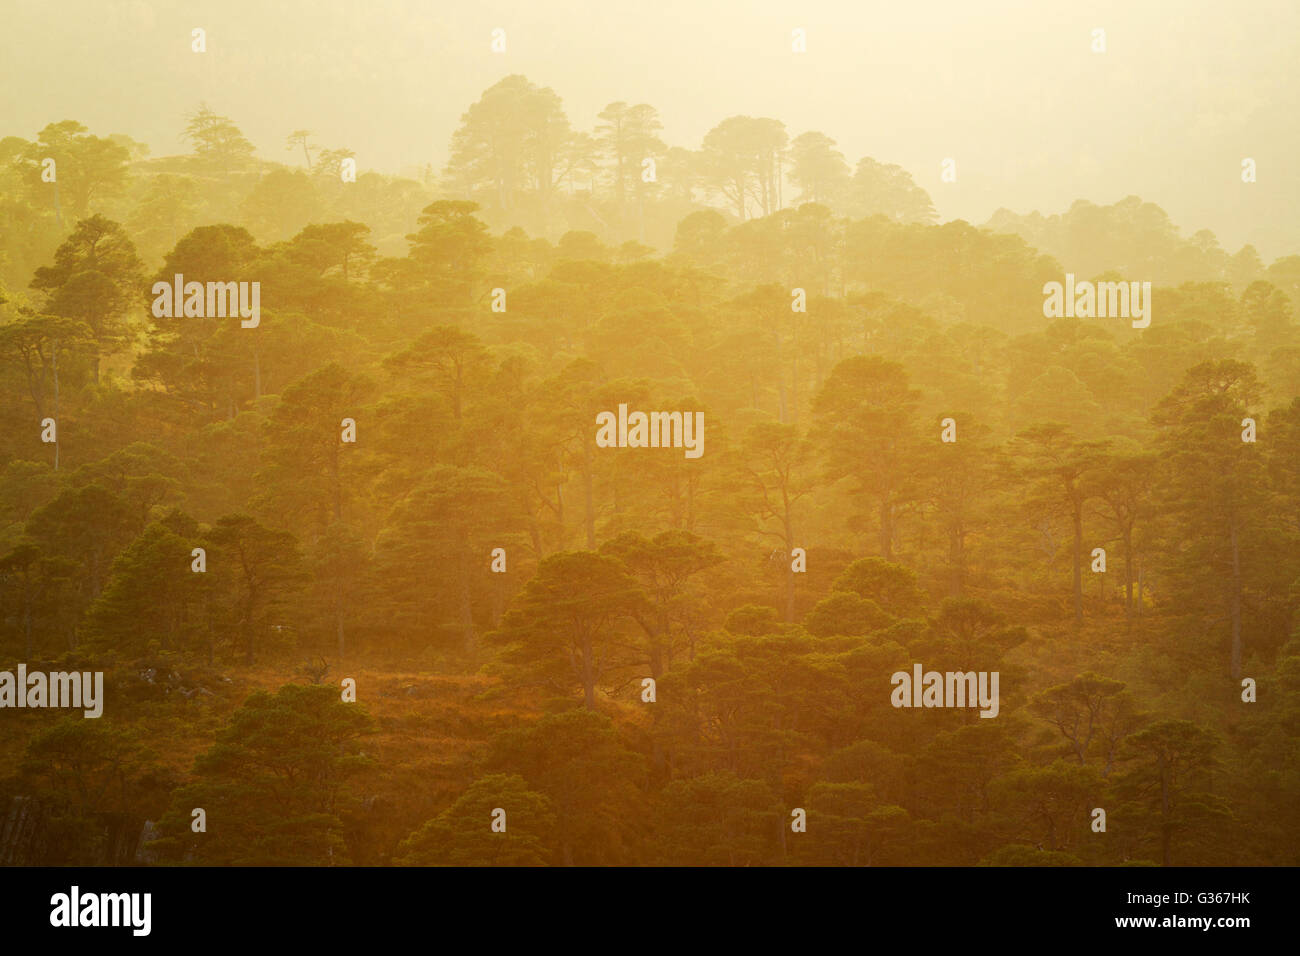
x,y
794,370
1078,564
780,376
787,524
1236,601
590,518
54,357
1128,572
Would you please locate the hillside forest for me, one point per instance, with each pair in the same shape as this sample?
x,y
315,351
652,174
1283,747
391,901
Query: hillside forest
x,y
362,572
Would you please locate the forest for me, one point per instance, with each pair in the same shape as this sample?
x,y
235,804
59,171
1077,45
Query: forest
x,y
365,577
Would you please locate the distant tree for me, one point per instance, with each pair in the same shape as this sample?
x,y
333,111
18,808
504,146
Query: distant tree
x,y
451,247
436,546
753,619
848,826
565,621
1214,485
282,203
187,358
842,612
577,761
275,783
1124,486
1169,782
89,169
663,566
968,634
168,206
880,189
299,139
717,819
741,159
340,245
462,835
776,463
255,568
699,237
892,587
865,411
33,342
95,280
1059,465
94,780
965,476
1092,713
510,142
306,463
217,141
153,594
628,135
85,526
329,164
818,169
32,584
447,359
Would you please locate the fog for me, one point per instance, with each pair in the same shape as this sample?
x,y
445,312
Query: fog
x,y
1010,90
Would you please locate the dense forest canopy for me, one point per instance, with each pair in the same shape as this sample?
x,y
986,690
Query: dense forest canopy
x,y
360,570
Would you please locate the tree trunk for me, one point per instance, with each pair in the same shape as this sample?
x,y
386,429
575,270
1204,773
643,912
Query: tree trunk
x,y
466,609
1078,564
1141,573
1128,572
957,564
1235,599
337,483
1166,828
498,598
886,529
338,624
789,566
54,357
590,518
588,674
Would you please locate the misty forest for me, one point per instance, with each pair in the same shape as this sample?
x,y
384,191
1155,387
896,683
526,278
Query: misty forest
x,y
359,574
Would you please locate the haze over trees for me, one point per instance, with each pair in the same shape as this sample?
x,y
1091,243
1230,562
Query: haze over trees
x,y
644,658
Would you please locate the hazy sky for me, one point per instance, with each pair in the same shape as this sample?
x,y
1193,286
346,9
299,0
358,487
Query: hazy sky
x,y
1011,90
